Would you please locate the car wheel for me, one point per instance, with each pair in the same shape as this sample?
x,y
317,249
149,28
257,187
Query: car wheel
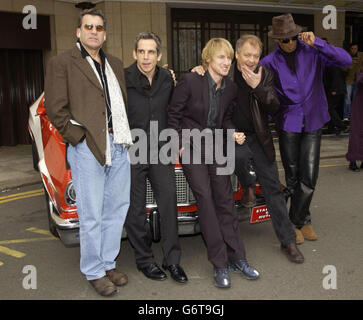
x,y
35,156
50,209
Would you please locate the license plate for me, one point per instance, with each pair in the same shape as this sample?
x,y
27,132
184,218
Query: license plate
x,y
259,214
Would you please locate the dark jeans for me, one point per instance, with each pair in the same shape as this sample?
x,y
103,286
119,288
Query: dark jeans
x,y
300,154
268,177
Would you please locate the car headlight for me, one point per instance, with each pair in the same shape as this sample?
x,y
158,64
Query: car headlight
x,y
70,194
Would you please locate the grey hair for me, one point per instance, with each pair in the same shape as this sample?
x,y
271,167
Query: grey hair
x,y
148,35
250,38
92,12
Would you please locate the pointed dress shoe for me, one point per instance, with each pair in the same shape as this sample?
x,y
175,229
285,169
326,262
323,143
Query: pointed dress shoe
x,y
249,197
292,252
221,278
177,273
104,286
242,266
118,278
153,272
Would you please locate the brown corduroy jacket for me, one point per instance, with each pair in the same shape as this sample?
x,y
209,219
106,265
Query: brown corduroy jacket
x,y
72,91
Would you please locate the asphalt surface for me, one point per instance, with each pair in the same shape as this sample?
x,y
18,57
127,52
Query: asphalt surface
x,y
337,218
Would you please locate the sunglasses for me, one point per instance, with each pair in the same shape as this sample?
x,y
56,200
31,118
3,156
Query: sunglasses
x,y
89,27
288,39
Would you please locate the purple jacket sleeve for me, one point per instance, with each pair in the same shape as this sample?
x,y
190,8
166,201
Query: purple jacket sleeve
x,y
331,55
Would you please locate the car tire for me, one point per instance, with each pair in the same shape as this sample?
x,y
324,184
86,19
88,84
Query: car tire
x,y
50,208
35,156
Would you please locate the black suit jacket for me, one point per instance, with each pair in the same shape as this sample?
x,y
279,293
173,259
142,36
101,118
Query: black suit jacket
x,y
144,107
190,104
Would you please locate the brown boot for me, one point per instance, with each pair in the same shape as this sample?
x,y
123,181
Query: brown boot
x,y
299,236
104,286
248,197
117,277
308,232
292,253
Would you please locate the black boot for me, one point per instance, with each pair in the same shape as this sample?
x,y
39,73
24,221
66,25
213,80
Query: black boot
x,y
353,166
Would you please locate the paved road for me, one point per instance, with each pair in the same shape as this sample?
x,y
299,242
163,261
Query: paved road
x,y
337,211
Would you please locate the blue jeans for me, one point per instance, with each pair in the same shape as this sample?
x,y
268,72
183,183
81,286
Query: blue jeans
x,y
349,96
103,198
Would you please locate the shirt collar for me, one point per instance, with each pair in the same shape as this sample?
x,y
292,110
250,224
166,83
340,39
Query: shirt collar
x,y
212,84
155,76
85,53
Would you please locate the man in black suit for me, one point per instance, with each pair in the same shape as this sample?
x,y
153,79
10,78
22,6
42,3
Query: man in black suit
x,y
149,89
201,103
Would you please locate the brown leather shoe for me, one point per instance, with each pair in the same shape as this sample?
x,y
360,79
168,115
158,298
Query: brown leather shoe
x,y
292,253
248,197
299,236
117,277
308,233
104,286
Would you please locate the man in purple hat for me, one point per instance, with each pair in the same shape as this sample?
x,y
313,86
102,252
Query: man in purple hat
x,y
298,62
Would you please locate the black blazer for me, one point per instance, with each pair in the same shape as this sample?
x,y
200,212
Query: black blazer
x,y
190,104
144,107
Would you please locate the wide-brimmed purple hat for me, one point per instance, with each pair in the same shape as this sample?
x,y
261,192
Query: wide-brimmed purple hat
x,y
284,27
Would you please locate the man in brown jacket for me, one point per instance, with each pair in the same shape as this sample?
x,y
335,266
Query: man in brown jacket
x,y
85,99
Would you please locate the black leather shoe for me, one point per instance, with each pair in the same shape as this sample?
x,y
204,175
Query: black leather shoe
x,y
242,266
177,273
353,166
221,278
153,271
292,252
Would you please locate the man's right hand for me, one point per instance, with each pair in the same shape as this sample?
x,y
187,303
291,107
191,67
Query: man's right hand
x,y
199,70
239,137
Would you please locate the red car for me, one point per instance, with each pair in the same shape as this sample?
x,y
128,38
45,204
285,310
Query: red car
x,y
49,160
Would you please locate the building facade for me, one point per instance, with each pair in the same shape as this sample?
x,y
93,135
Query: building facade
x,y
184,27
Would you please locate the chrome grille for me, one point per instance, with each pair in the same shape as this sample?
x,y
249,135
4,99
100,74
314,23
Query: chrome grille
x,y
184,193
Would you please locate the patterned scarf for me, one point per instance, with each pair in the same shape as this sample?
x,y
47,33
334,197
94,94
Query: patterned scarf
x,y
121,128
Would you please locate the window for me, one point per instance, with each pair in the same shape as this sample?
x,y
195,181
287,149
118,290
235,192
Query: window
x,y
192,28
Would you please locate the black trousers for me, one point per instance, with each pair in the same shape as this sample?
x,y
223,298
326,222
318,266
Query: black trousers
x,y
216,213
162,179
268,177
300,155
